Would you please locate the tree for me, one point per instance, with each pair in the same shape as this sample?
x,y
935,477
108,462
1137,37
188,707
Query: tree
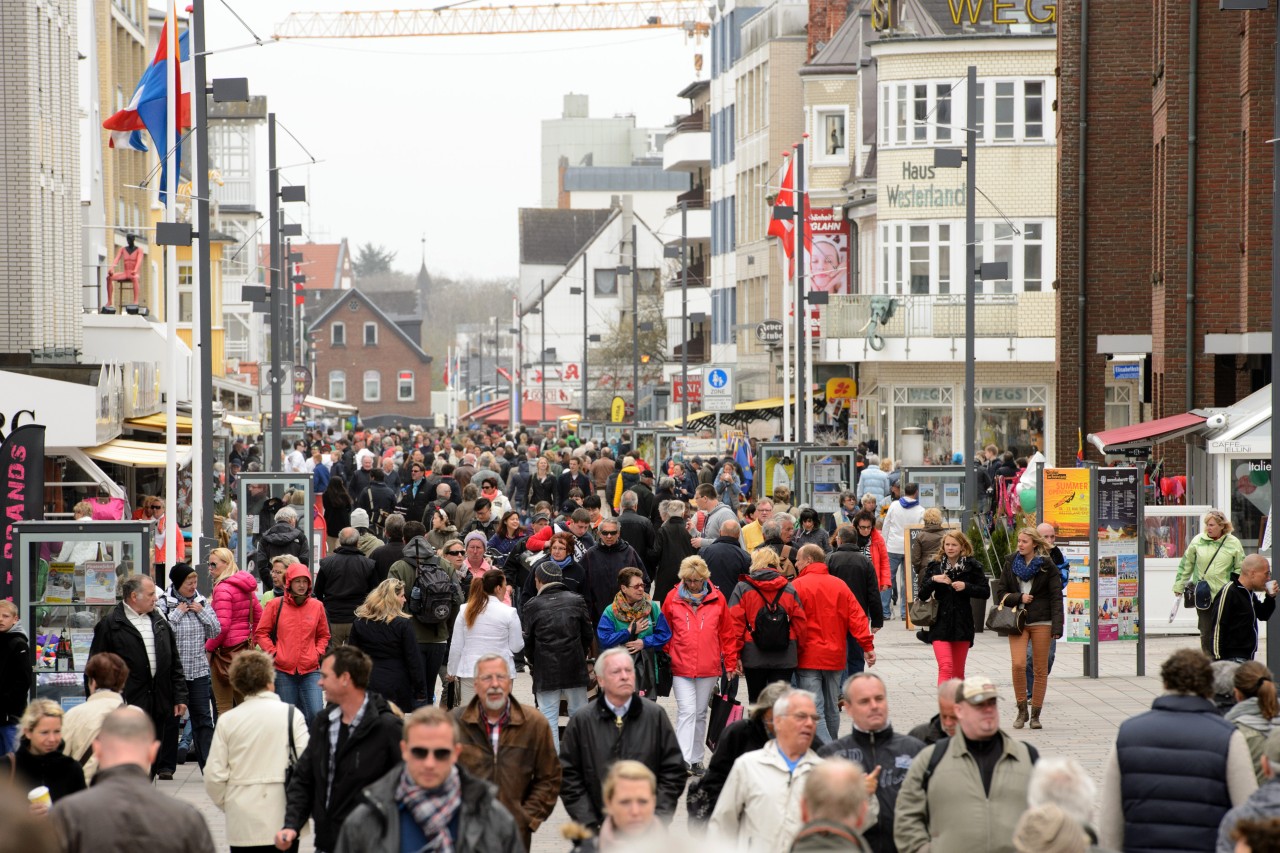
x,y
612,360
372,260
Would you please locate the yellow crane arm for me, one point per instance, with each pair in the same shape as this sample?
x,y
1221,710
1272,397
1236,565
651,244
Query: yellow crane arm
x,y
497,20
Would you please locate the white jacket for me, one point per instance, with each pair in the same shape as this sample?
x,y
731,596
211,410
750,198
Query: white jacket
x,y
759,807
496,632
244,774
82,723
895,525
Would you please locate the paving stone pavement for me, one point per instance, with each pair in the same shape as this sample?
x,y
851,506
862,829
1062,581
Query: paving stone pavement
x,y
1080,714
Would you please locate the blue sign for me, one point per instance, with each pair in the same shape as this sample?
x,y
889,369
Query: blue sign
x,y
717,378
1126,370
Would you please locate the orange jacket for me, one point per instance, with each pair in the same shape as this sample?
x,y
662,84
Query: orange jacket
x,y
301,631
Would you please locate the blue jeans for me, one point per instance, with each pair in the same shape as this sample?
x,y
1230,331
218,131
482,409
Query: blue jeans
x,y
301,691
855,661
549,704
1031,676
8,739
824,684
896,569
200,712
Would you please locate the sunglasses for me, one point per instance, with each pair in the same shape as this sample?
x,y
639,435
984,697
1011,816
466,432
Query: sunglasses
x,y
454,553
608,533
440,753
213,564
156,506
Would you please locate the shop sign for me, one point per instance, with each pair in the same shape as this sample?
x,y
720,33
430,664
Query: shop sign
x,y
923,396
1002,396
1126,370
841,388
914,193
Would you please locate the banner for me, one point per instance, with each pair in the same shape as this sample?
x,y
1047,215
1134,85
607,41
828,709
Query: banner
x,y
22,499
829,259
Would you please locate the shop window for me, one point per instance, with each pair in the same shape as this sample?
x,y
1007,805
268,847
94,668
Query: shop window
x,y
338,386
1250,499
1117,406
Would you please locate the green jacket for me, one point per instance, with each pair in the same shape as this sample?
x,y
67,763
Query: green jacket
x,y
1205,560
406,571
955,815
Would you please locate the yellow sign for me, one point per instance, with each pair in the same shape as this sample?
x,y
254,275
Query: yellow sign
x,y
618,410
841,389
1066,501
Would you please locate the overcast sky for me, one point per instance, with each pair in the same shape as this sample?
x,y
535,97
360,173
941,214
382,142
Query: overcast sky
x,y
436,135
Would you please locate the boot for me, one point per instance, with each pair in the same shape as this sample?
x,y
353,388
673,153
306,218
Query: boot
x,y
1021,719
1035,718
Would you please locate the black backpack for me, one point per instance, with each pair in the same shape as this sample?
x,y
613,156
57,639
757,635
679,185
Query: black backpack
x,y
433,595
772,631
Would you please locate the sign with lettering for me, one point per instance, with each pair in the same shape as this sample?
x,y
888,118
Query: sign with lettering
x,y
1002,396
914,193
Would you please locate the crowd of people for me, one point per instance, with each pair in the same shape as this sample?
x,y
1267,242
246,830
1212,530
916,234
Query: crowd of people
x,y
370,698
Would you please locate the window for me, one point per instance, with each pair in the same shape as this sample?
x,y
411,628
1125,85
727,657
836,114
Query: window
x,y
900,135
338,335
919,258
338,385
1033,101
886,108
829,126
916,258
942,112
1116,406
978,119
372,386
1001,251
606,282
185,294
944,258
371,334
920,100
1004,110
404,386
1032,255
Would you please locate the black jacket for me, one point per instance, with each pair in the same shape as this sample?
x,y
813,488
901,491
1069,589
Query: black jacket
x,y
892,753
61,774
575,580
673,545
955,614
648,501
371,750
557,638
727,561
345,579
484,825
930,732
1235,621
413,504
154,694
849,564
592,743
386,556
377,498
280,538
15,675
637,531
397,663
746,735
543,490
601,565
1046,592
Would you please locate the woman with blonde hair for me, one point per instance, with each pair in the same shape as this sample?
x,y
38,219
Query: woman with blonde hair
x,y
485,626
1031,580
235,603
384,632
38,760
630,807
1213,557
698,616
953,578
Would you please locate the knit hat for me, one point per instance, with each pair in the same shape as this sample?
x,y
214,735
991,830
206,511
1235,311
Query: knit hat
x,y
359,518
475,536
548,572
179,573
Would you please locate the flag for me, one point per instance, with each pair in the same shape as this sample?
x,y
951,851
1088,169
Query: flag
x,y
1079,449
127,139
504,373
742,456
148,108
784,229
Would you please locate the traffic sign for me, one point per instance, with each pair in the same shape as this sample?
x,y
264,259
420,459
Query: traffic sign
x,y
718,390
769,331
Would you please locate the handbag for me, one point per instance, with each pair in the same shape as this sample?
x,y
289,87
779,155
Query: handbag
x,y
923,611
293,753
1007,620
1202,595
723,710
452,694
646,665
220,658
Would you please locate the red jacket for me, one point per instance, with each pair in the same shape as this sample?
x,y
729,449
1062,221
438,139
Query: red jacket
x,y
698,636
833,612
302,631
880,559
236,603
748,597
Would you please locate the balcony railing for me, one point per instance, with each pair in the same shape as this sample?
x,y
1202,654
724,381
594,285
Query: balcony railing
x,y
697,274
1002,315
697,198
699,351
692,123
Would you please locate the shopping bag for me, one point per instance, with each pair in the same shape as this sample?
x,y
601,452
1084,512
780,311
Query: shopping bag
x,y
724,710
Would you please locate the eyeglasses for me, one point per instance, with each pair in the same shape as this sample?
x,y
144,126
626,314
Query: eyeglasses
x,y
213,564
812,718
636,586
454,553
440,753
864,528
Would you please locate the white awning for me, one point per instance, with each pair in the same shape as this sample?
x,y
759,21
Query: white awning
x,y
327,405
137,454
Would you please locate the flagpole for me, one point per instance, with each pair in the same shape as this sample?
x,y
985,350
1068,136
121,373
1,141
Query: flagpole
x,y
171,288
786,342
802,192
202,297
797,235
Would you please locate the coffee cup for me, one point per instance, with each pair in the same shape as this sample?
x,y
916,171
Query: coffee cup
x,y
39,796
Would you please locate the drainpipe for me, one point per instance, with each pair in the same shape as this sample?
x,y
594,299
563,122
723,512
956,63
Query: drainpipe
x,y
1081,222
1192,105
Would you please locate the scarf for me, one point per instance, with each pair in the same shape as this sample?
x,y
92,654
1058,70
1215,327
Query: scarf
x,y
1022,569
628,612
568,558
432,809
694,599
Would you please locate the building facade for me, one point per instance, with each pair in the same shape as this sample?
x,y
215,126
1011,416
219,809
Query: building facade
x,y
582,140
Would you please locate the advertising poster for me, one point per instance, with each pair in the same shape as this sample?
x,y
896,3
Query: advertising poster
x,y
1117,535
829,260
1076,608
1066,502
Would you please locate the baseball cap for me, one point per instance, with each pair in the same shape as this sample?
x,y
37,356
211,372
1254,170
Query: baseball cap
x,y
977,689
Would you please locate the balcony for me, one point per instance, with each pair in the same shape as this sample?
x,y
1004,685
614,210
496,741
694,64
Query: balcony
x,y
1008,327
697,274
697,225
699,350
688,144
234,191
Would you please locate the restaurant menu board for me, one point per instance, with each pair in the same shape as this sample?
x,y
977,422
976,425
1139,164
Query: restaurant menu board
x,y
1116,537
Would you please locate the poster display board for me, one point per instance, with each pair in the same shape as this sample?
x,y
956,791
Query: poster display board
x,y
941,486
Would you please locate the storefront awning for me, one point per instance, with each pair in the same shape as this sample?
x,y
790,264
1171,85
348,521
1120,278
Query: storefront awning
x,y
1145,434
327,405
241,426
531,411
137,454
752,410
157,423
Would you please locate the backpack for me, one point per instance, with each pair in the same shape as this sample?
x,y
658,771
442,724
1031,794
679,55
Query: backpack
x,y
772,631
432,597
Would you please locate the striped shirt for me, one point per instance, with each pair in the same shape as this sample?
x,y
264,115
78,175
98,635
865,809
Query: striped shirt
x,y
142,621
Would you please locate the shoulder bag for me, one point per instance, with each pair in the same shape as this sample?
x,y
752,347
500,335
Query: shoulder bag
x,y
220,658
923,611
293,752
1007,620
1201,595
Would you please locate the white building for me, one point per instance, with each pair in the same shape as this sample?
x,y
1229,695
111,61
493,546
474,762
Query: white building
x,y
581,140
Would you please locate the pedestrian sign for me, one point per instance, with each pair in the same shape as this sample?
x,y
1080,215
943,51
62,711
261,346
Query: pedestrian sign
x,y
718,390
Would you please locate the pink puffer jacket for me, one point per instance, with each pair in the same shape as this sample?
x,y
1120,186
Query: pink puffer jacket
x,y
231,602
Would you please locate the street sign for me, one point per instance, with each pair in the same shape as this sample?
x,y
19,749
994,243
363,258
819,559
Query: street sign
x,y
618,410
769,331
718,390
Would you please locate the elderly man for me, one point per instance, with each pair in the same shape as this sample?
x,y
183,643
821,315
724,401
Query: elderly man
x,y
726,558
106,816
777,537
147,644
345,579
637,529
834,809
1062,782
943,724
881,752
602,563
283,537
509,745
619,724
760,802
1238,609
753,533
966,792
430,801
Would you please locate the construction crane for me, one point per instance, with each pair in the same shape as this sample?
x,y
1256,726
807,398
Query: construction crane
x,y
497,20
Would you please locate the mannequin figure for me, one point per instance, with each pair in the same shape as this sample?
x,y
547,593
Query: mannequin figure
x,y
129,258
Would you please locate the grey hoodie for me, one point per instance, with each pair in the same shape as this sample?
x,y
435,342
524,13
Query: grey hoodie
x,y
1262,803
1248,720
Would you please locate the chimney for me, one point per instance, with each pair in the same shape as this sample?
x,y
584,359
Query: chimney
x,y
825,17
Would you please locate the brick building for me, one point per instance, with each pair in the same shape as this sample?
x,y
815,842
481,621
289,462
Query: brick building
x,y
1177,102
365,359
